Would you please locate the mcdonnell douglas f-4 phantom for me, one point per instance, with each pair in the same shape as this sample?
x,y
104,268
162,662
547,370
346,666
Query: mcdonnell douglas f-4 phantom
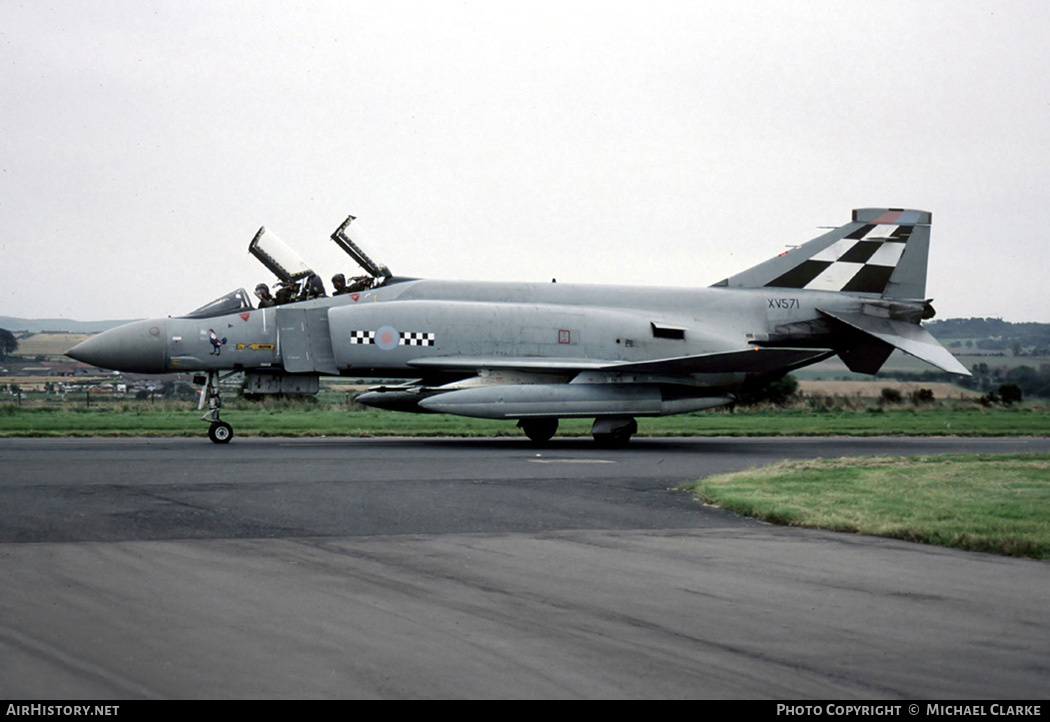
x,y
540,352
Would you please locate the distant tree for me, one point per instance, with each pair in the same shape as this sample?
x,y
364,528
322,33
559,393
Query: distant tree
x,y
177,390
1010,394
922,396
8,343
991,344
890,395
780,392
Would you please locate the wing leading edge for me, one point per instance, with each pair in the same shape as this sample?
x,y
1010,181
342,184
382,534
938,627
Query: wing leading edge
x,y
750,360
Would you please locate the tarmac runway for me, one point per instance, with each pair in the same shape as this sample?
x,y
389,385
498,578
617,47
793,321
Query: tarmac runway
x,y
406,568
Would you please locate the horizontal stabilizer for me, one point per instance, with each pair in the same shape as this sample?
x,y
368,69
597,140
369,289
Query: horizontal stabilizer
x,y
908,337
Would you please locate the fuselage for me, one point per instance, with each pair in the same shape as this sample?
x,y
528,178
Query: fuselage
x,y
397,329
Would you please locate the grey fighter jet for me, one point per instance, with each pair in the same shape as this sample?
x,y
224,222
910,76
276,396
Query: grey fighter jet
x,y
540,352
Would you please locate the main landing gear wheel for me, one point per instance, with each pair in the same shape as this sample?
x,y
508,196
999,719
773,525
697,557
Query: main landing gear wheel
x,y
220,432
613,433
539,430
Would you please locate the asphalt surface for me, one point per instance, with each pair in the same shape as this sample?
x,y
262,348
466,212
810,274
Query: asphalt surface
x,y
359,568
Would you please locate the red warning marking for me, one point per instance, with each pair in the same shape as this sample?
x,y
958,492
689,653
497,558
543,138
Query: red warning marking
x,y
354,297
564,336
888,217
244,316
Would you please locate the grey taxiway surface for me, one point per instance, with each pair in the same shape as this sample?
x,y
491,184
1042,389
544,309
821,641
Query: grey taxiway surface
x,y
480,568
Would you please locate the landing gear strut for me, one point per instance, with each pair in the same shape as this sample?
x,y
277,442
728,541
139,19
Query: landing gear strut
x,y
219,432
613,432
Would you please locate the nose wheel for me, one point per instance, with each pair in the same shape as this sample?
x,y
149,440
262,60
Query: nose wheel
x,y
219,431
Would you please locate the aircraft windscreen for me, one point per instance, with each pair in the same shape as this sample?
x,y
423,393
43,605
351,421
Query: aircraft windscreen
x,y
232,302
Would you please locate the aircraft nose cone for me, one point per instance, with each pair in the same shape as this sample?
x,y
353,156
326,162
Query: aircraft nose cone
x,y
138,347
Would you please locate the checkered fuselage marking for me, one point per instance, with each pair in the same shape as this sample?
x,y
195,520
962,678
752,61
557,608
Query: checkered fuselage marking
x,y
863,261
405,338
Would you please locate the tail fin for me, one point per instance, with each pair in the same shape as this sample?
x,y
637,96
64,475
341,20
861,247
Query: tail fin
x,y
881,256
882,251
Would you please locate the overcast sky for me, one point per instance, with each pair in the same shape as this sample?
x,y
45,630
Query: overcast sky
x,y
142,144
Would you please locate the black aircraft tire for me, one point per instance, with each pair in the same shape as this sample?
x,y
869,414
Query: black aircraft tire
x,y
617,440
220,432
539,430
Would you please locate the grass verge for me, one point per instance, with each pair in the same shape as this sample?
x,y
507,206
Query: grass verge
x,y
990,503
320,419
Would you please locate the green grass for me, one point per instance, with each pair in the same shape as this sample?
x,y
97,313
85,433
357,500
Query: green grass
x,y
322,419
989,503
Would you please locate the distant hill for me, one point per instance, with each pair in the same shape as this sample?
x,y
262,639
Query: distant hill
x,y
992,334
49,343
979,327
62,325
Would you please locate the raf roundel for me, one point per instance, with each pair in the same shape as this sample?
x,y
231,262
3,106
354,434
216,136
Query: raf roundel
x,y
387,338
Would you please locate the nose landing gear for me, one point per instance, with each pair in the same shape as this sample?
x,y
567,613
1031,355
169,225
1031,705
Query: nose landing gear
x,y
219,431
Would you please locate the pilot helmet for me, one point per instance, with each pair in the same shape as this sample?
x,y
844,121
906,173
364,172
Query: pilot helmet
x,y
262,289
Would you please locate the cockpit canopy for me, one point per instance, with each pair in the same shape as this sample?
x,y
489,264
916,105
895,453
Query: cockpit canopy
x,y
232,302
286,264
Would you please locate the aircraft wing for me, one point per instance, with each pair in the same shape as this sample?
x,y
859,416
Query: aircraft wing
x,y
756,359
750,360
518,363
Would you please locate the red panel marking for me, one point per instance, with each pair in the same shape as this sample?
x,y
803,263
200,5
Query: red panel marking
x,y
888,217
354,297
244,316
564,336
